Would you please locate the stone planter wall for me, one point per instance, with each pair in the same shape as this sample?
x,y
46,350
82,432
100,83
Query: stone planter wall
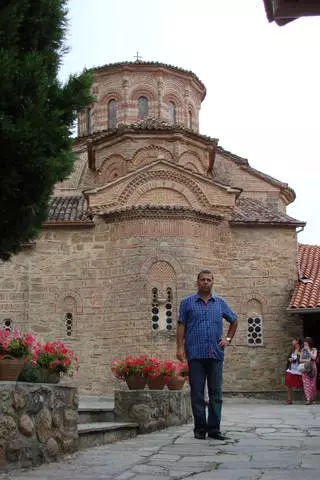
x,y
38,422
153,409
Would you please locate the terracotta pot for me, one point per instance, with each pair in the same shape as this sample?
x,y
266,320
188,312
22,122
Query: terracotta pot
x,y
176,383
10,368
136,382
156,384
49,377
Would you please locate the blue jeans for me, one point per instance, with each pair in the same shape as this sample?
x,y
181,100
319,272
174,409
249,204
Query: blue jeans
x,y
200,371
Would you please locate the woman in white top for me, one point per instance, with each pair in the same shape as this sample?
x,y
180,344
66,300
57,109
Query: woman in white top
x,y
293,379
309,354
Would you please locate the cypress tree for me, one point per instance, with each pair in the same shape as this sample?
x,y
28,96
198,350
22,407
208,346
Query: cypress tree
x,y
37,114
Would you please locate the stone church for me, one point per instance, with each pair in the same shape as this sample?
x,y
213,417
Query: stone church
x,y
152,201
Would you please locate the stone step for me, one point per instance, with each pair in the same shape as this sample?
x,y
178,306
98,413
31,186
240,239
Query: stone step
x,y
101,433
96,409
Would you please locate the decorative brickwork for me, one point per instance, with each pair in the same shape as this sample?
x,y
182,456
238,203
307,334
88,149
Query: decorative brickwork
x,y
148,181
112,168
193,161
147,155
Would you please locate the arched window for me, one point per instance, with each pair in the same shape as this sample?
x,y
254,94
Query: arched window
x,y
172,114
190,119
112,114
88,121
143,105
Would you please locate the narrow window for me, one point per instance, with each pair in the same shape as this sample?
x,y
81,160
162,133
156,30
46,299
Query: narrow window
x,y
172,113
143,105
88,121
112,114
190,119
155,309
162,310
255,331
68,324
168,307
7,324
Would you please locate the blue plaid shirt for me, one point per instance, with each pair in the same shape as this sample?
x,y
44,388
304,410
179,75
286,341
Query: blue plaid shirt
x,y
203,325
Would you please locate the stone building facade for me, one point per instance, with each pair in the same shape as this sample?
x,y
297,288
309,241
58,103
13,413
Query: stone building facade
x,y
151,201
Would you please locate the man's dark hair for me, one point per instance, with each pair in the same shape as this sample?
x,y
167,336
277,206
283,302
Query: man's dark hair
x,y
204,271
309,341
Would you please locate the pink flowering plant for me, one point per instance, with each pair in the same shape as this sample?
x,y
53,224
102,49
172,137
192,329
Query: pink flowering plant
x,y
130,366
164,369
15,344
182,369
55,357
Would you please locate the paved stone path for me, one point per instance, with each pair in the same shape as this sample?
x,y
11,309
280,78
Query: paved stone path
x,y
268,442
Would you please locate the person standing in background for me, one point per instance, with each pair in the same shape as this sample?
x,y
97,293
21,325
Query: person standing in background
x,y
309,354
293,378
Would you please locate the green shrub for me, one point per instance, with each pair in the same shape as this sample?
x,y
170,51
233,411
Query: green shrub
x,y
30,373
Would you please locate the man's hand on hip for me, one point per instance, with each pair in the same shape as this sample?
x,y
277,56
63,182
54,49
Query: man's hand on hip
x,y
223,342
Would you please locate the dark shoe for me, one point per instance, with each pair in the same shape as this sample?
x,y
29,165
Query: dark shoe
x,y
200,435
217,436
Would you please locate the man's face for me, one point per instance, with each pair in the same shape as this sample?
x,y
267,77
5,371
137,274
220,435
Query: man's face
x,y
205,282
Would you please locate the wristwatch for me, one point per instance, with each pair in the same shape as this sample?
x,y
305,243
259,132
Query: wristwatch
x,y
229,340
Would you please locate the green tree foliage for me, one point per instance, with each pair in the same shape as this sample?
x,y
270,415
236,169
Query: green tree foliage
x,y
37,114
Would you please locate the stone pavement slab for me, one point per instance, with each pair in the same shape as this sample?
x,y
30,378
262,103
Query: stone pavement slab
x,y
267,442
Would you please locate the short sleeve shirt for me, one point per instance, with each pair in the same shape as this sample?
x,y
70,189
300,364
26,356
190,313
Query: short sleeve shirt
x,y
204,326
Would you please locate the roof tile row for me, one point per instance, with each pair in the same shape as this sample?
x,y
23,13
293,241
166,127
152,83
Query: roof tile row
x,y
307,291
249,211
67,209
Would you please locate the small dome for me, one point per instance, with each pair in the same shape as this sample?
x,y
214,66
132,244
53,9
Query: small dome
x,y
130,92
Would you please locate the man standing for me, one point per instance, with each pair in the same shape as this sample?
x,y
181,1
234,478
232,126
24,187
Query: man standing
x,y
200,339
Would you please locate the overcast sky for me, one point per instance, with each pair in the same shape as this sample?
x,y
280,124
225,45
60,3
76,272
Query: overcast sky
x,y
263,81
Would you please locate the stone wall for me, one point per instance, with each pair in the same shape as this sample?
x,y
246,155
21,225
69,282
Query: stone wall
x,y
104,277
153,409
38,423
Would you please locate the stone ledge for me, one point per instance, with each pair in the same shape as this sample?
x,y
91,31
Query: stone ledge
x,y
38,423
104,426
153,409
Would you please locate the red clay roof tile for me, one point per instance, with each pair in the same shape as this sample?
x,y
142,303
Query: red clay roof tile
x,y
307,291
252,212
67,209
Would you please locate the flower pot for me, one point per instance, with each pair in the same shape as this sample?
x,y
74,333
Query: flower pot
x,y
10,368
176,383
49,377
136,382
156,383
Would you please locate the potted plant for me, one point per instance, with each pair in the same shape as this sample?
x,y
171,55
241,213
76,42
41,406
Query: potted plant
x,y
159,373
179,375
15,350
133,370
54,358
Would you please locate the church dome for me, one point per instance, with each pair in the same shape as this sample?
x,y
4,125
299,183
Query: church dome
x,y
130,92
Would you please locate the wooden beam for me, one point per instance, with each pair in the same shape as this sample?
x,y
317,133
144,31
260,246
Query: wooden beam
x,y
295,9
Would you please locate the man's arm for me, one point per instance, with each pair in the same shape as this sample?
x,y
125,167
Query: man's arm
x,y
231,317
223,342
180,342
